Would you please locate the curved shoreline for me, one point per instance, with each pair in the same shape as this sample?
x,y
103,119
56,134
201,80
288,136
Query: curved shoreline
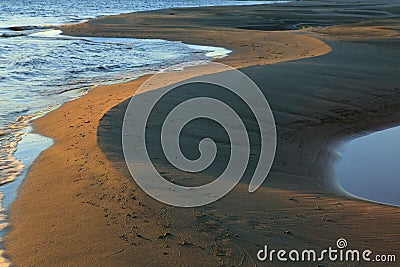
x,y
74,192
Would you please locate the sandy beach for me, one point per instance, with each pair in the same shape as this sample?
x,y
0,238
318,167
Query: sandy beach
x,y
329,70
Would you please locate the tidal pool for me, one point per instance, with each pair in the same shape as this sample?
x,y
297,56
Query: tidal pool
x,y
370,167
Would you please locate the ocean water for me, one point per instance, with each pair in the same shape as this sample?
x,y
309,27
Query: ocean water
x,y
41,69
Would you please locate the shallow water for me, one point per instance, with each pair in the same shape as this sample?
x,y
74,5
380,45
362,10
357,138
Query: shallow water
x,y
28,149
370,167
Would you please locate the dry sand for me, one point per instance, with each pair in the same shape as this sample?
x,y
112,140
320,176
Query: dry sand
x,y
78,206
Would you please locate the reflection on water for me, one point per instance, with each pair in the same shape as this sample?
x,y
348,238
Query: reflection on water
x,y
370,167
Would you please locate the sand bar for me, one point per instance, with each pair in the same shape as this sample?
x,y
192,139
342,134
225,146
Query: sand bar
x,y
78,206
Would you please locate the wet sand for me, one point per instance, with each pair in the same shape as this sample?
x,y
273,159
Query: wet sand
x,y
79,207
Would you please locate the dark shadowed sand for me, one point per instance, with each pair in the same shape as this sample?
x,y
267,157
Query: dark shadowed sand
x,y
79,207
